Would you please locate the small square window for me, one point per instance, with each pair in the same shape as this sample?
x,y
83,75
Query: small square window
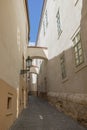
x,y
46,18
9,102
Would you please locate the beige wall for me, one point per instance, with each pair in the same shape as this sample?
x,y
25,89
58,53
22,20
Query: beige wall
x,y
22,95
13,40
7,116
13,45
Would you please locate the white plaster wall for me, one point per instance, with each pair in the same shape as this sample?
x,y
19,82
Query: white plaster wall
x,y
70,16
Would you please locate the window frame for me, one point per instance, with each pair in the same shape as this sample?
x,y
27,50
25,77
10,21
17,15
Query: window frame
x,y
44,29
58,21
9,102
77,42
45,22
46,18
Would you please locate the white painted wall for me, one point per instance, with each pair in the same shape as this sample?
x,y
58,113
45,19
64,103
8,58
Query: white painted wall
x,y
70,16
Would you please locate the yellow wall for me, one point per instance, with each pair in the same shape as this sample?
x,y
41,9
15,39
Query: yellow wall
x,y
13,41
7,116
22,94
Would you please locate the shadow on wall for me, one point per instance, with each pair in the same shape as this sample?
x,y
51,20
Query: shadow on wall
x,y
66,76
42,80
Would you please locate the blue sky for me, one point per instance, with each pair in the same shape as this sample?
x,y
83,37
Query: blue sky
x,y
35,7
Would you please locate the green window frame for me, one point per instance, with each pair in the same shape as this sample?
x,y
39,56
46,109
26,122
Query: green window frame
x,y
78,51
44,30
59,30
63,67
46,18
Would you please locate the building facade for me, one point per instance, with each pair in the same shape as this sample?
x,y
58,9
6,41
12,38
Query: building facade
x,y
63,28
14,32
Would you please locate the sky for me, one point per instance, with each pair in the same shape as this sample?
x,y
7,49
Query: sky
x,y
35,7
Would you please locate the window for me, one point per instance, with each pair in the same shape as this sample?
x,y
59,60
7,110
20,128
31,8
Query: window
x,y
58,24
44,27
45,22
9,102
46,17
63,68
78,52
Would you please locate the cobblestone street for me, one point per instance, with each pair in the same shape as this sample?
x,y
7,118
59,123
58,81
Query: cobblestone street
x,y
40,115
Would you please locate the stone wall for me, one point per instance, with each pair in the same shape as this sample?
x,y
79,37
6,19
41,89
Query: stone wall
x,y
74,105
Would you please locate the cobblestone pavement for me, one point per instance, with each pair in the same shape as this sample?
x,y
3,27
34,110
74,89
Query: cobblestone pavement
x,y
40,115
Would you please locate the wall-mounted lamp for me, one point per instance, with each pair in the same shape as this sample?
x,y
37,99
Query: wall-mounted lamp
x,y
28,62
28,65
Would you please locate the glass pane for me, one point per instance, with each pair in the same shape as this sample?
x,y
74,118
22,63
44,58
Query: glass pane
x,y
75,49
58,21
59,32
76,55
74,41
63,74
79,45
78,36
62,66
77,61
80,52
81,59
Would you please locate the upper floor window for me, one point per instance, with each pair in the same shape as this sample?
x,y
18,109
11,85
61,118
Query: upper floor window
x,y
46,18
59,30
44,30
63,68
9,102
78,52
45,22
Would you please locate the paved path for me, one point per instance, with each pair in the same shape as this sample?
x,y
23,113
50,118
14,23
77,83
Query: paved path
x,y
40,115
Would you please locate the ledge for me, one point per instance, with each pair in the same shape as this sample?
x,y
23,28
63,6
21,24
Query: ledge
x,y
9,114
80,67
64,80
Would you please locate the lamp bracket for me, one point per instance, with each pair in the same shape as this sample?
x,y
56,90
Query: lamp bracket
x,y
23,71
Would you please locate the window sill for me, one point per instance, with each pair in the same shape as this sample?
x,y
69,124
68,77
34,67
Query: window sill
x,y
9,113
80,67
65,80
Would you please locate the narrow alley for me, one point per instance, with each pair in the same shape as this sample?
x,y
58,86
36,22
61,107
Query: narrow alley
x,y
40,115
43,55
